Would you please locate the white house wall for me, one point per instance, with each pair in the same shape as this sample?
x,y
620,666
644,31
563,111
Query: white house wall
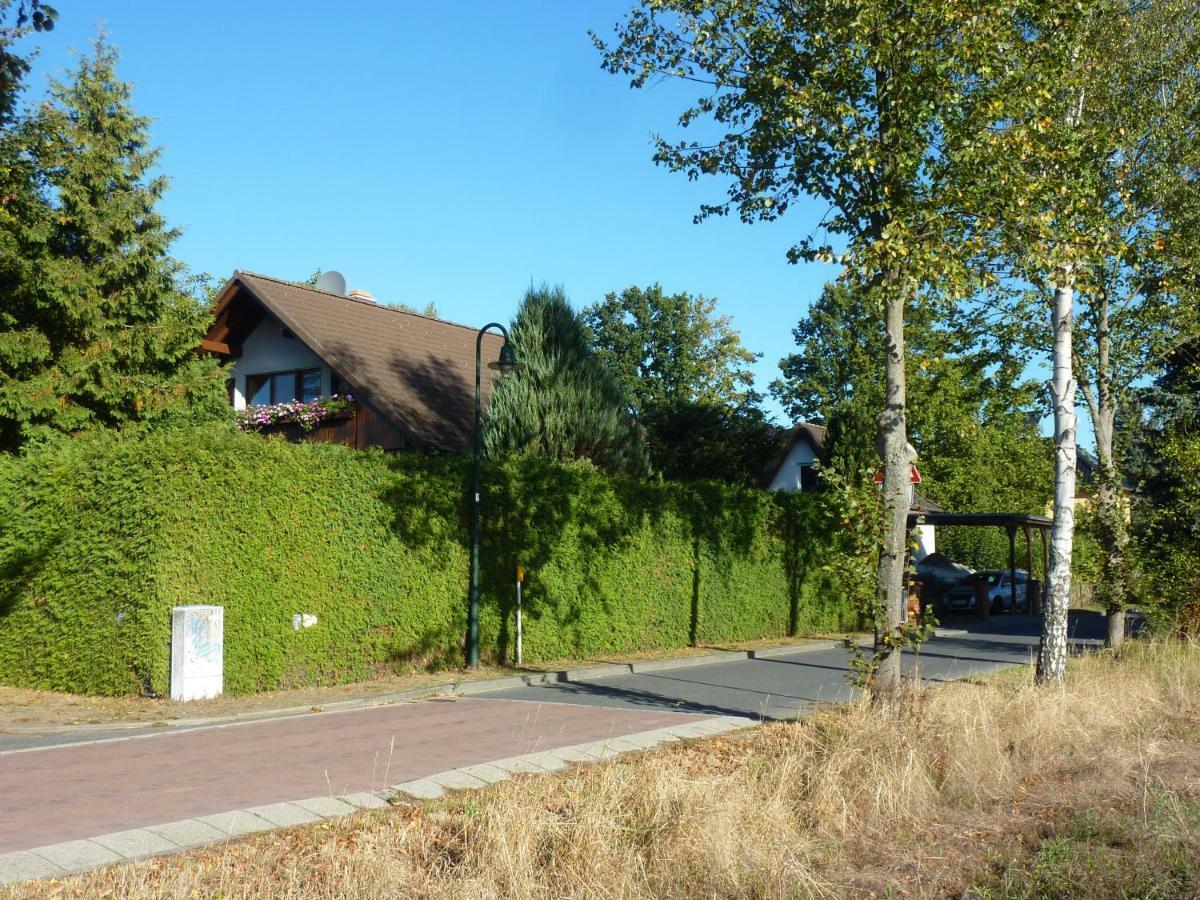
x,y
926,537
267,350
788,476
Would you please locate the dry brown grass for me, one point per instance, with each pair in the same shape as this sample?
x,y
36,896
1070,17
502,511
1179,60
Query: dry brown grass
x,y
918,796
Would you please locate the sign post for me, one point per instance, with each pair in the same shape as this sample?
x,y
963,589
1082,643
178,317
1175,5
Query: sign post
x,y
520,578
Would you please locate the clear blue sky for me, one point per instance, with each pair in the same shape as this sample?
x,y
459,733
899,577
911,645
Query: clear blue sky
x,y
431,152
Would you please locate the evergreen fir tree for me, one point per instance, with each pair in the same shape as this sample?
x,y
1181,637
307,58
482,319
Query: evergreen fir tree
x,y
562,404
96,327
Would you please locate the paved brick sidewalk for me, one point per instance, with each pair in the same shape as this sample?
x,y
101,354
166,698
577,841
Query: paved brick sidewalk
x,y
77,791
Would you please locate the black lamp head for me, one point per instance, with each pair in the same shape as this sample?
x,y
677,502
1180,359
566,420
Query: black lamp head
x,y
508,362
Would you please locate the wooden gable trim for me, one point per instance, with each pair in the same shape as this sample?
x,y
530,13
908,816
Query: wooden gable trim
x,y
236,313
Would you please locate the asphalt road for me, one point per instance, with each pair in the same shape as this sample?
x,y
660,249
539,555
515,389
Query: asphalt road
x,y
778,687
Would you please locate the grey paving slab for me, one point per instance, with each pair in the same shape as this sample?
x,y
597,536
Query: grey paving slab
x,y
534,764
285,815
76,855
24,866
325,807
189,832
576,753
365,800
485,772
718,726
660,736
455,780
641,741
237,823
421,788
601,750
620,745
136,843
531,762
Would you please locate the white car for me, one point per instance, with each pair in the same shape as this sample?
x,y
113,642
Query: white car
x,y
1000,594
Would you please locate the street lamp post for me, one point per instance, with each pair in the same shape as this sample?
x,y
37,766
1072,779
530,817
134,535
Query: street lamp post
x,y
504,365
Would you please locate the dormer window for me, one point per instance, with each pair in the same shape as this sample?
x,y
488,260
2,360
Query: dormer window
x,y
283,387
809,480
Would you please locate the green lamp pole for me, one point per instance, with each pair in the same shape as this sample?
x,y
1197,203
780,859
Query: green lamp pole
x,y
504,365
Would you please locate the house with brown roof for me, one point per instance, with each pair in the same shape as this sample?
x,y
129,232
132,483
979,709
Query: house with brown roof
x,y
411,377
796,470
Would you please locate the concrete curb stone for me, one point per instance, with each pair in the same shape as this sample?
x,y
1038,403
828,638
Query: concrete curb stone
x,y
325,807
284,815
485,772
74,855
25,865
188,833
136,843
236,823
364,800
421,788
457,780
576,753
532,764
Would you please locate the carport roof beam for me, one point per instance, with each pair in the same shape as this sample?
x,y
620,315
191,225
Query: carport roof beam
x,y
1002,520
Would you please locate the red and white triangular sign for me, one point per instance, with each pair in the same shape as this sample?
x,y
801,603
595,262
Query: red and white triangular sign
x,y
914,477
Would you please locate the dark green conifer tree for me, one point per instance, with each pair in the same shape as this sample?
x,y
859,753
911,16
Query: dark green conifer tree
x,y
97,327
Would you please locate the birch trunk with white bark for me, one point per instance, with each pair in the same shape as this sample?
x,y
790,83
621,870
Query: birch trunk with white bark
x,y
1052,654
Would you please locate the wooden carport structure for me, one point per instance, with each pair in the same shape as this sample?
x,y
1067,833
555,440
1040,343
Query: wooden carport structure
x,y
1010,522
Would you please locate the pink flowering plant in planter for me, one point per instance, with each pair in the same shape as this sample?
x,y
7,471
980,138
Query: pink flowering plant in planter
x,y
307,415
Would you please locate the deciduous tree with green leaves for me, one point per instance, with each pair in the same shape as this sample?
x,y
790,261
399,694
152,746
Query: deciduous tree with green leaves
x,y
671,348
686,375
1163,453
1140,294
562,404
856,104
97,328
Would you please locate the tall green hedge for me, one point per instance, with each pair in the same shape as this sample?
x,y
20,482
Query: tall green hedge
x,y
101,536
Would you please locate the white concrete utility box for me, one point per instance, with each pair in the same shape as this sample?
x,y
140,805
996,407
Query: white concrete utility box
x,y
197,652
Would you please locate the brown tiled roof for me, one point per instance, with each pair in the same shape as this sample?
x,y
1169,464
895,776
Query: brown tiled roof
x,y
814,434
416,370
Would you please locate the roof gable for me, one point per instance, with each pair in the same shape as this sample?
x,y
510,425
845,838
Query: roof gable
x,y
416,370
